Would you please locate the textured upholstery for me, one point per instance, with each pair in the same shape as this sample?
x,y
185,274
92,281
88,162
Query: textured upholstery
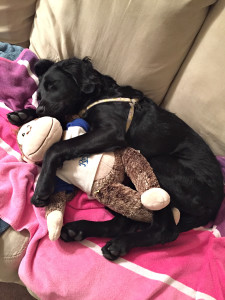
x,y
198,92
140,43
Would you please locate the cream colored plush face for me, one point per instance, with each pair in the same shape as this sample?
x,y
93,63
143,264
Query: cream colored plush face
x,y
24,132
37,136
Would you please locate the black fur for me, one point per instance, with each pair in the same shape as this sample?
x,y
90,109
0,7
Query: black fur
x,y
183,163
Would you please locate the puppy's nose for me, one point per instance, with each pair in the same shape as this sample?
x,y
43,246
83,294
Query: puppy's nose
x,y
40,110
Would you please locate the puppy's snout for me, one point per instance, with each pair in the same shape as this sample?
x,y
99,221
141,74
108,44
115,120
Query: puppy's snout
x,y
40,110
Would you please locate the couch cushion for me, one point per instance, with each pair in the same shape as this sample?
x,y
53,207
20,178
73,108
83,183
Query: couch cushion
x,y
16,19
198,92
13,245
141,43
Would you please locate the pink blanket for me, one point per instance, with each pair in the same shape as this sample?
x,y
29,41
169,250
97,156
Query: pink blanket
x,y
192,267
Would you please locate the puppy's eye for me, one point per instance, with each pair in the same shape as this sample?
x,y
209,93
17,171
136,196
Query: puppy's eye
x,y
49,86
46,85
38,95
23,134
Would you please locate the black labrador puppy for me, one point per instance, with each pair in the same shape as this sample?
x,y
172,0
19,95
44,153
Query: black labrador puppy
x,y
183,163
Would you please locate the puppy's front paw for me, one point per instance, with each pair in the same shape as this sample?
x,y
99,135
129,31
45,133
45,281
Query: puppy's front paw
x,y
44,189
38,201
21,117
114,249
41,195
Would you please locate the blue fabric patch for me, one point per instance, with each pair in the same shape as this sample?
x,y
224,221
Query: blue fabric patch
x,y
79,122
62,186
10,52
3,226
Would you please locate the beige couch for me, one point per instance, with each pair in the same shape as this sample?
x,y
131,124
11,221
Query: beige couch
x,y
171,50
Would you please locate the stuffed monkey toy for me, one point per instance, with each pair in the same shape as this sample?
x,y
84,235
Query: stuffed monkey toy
x,y
101,175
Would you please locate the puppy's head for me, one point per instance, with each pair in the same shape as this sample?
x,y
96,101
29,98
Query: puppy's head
x,y
65,86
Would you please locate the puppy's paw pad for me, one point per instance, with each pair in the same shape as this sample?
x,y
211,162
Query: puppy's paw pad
x,y
114,249
69,234
39,202
76,236
21,117
14,119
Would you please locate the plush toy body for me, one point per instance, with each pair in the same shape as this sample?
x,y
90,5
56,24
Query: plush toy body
x,y
100,176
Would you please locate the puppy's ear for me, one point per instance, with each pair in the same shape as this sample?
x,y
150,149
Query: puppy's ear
x,y
88,84
42,66
87,61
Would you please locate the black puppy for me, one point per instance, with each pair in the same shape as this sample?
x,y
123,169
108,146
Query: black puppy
x,y
183,163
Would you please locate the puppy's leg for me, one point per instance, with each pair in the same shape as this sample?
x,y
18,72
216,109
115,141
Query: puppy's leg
x,y
95,141
162,230
21,117
79,230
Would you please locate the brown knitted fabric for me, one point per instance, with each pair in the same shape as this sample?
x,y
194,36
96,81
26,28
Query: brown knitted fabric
x,y
115,175
125,201
112,193
139,170
58,202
